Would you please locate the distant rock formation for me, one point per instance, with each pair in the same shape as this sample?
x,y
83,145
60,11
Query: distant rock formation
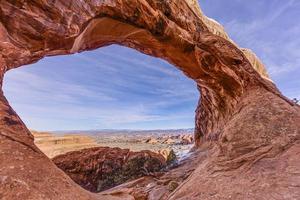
x,y
152,141
168,154
186,139
169,141
53,145
100,168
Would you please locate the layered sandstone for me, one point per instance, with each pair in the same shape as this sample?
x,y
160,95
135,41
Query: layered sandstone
x,y
53,145
249,131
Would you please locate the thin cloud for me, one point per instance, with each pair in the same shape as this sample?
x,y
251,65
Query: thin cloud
x,y
101,90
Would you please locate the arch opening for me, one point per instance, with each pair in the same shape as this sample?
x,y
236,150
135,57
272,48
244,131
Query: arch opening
x,y
113,91
111,79
110,97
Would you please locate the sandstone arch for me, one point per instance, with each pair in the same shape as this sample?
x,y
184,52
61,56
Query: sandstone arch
x,y
241,116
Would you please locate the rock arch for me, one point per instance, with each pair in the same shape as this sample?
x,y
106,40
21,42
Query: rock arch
x,y
241,118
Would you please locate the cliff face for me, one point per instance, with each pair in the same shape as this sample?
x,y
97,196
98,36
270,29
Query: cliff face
x,y
242,118
53,145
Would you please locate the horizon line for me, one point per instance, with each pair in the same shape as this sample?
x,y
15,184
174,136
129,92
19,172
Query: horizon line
x,y
113,129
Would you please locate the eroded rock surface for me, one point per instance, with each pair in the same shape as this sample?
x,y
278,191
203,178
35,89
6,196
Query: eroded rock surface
x,y
100,168
160,185
250,130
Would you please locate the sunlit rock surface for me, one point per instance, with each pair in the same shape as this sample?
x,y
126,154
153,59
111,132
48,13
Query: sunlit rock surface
x,y
53,144
247,131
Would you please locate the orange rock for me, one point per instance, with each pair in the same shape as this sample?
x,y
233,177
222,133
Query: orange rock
x,y
169,141
186,139
152,141
248,128
168,154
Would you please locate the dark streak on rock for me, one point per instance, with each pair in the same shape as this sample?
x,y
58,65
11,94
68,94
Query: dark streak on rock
x,y
20,142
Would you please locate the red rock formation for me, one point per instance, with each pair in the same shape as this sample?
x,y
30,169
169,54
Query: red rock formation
x,y
100,168
168,154
186,139
252,131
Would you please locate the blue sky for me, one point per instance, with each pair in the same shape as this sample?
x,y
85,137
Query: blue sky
x,y
117,87
112,87
271,29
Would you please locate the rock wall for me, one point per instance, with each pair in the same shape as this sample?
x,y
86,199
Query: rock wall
x,y
242,117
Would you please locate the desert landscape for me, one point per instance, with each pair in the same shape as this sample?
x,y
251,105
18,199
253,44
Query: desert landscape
x,y
163,142
142,153
245,140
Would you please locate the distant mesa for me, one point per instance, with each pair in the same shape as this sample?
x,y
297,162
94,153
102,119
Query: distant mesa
x,y
54,144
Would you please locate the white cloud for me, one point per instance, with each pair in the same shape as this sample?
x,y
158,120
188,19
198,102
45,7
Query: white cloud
x,y
112,92
45,88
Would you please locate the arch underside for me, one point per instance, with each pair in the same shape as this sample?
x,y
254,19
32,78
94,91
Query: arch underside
x,y
241,117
